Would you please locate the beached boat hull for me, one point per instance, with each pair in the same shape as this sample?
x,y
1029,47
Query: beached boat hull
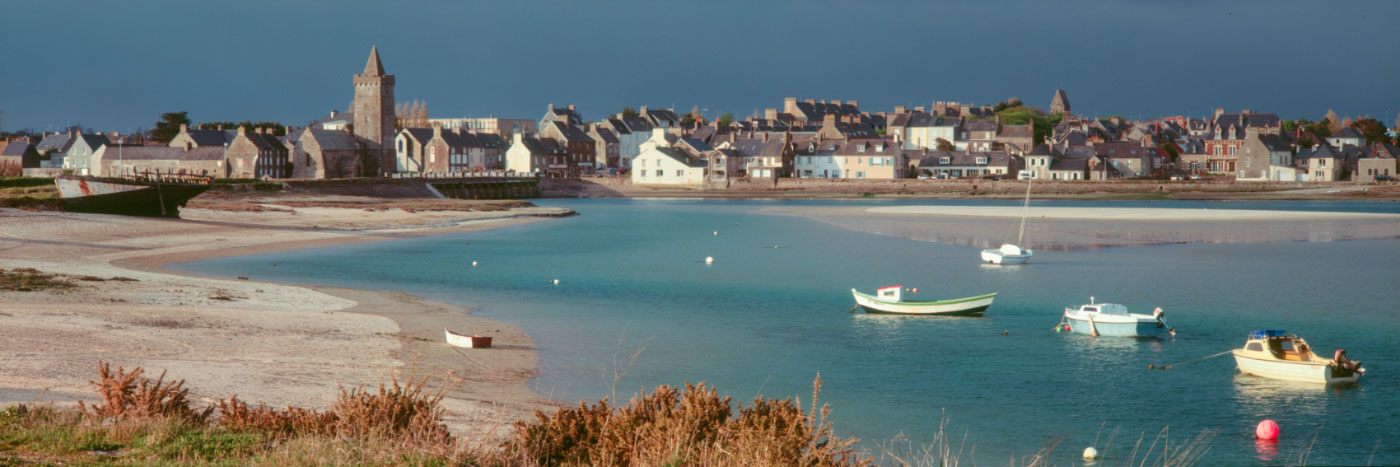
x,y
970,306
1303,372
1135,328
107,196
468,341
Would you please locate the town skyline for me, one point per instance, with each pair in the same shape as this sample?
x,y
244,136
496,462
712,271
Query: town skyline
x,y
725,58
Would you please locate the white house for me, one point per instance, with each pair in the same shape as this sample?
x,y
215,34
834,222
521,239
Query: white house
x,y
662,165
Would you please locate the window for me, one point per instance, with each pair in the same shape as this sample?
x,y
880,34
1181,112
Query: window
x,y
1322,162
1232,150
944,160
643,173
880,147
680,173
981,159
658,173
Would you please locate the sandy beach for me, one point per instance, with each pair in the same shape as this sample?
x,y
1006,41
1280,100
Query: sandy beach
x,y
269,343
1077,228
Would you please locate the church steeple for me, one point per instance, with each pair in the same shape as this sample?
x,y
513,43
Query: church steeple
x,y
373,67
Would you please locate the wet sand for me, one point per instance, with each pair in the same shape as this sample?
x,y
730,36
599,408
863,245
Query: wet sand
x,y
1065,228
265,342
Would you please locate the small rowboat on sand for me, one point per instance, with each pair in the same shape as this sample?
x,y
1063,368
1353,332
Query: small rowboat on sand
x,y
890,300
468,341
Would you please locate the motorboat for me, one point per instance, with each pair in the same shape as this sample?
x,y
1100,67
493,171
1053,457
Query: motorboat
x,y
1113,320
1278,355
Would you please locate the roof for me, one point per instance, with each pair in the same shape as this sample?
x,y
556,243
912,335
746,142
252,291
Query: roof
x,y
1016,131
208,137
422,135
16,148
869,147
1069,164
1276,143
1321,151
704,133
980,125
542,145
334,140
1383,151
147,153
373,67
489,140
1247,120
93,141
1119,150
56,142
1346,132
571,134
697,144
681,156
606,136
1041,150
965,159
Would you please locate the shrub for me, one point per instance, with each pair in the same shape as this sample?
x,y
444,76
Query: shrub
x,y
236,415
128,395
398,411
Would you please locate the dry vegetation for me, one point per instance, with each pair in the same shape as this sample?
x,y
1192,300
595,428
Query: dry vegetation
x,y
34,280
28,193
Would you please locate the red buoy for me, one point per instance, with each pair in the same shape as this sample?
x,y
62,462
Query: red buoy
x,y
1267,430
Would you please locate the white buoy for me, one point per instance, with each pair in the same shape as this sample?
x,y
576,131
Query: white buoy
x,y
716,233
709,259
473,263
556,282
1090,453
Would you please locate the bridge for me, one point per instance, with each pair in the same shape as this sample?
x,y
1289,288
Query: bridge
x,y
477,185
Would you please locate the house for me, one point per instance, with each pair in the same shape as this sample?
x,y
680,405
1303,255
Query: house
x,y
925,130
977,135
115,160
1038,161
1131,159
53,148
631,133
502,127
609,146
724,166
766,155
321,154
566,115
1227,132
960,164
1320,164
532,155
257,154
1193,155
877,158
1265,157
1069,169
408,148
808,111
816,158
445,151
484,150
581,150
1347,136
1380,161
663,165
663,118
1016,138
1102,169
17,156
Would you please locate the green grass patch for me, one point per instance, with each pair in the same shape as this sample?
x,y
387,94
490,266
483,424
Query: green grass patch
x,y
30,280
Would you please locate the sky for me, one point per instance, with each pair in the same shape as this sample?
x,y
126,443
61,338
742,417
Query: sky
x,y
117,65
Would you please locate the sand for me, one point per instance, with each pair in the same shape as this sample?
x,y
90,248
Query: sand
x,y
267,343
1078,228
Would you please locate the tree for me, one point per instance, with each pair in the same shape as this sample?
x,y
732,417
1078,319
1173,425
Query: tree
x,y
1171,149
1371,128
1346,122
169,126
944,145
1331,120
1290,125
1320,129
725,120
628,112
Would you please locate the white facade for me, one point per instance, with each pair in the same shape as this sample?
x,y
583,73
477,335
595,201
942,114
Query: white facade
x,y
819,166
519,159
403,150
654,166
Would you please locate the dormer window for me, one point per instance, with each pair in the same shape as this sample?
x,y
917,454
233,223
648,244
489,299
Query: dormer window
x,y
981,159
945,160
880,147
860,147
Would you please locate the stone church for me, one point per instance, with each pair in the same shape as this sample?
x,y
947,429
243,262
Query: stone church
x,y
374,117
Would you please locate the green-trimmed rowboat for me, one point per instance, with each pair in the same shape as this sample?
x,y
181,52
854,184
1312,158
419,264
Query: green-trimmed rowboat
x,y
889,300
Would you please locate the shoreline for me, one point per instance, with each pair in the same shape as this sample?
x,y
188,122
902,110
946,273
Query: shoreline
x,y
267,342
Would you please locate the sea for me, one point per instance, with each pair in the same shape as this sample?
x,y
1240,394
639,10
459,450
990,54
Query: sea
x,y
636,306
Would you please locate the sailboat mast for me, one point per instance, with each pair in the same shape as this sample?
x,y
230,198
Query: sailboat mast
x,y
1025,212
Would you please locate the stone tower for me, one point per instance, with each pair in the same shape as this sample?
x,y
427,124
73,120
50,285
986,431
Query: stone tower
x,y
1060,104
374,116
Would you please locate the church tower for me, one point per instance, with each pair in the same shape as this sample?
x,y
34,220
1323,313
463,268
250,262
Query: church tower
x,y
1060,104
374,116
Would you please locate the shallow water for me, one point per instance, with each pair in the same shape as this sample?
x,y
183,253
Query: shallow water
x,y
765,320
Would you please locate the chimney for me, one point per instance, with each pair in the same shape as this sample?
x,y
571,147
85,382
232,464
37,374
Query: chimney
x,y
855,104
790,104
241,131
828,120
571,107
184,128
812,101
437,130
899,109
642,110
920,109
550,109
770,114
188,145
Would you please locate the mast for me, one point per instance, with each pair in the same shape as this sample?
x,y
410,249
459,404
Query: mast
x,y
1024,213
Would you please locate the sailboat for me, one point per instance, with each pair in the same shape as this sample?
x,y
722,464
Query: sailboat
x,y
1013,253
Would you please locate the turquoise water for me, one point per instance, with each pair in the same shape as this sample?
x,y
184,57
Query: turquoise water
x,y
764,320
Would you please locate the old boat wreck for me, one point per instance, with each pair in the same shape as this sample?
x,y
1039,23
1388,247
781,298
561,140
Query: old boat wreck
x,y
151,194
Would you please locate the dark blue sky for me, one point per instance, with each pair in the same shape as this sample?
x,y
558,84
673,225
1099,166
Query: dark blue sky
x,y
119,64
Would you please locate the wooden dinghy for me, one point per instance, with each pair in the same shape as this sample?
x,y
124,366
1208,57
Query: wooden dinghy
x,y
466,340
890,300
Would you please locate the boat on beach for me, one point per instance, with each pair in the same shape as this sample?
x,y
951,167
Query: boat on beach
x,y
146,194
890,300
1113,320
1277,355
470,341
1008,253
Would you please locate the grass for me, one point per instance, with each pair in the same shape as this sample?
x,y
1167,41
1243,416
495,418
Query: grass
x,y
29,193
32,280
139,420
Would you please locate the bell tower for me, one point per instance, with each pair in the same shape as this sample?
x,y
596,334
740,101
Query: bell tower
x,y
374,116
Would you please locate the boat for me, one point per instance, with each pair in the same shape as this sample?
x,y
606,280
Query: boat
x,y
147,194
1008,253
890,300
1113,320
470,341
1274,354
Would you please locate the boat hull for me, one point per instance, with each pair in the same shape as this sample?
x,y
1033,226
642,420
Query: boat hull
x,y
468,341
79,194
995,256
970,306
1135,328
1303,372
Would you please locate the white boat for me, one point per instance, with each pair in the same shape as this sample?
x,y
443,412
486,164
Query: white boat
x,y
467,340
1009,253
890,300
1273,354
1113,320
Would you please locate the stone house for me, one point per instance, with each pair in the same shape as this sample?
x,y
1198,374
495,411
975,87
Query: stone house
x,y
321,154
977,135
608,146
581,150
1381,160
1193,155
662,165
724,165
257,154
660,118
1265,157
460,151
766,155
565,115
1321,164
1016,138
115,160
631,133
1131,159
